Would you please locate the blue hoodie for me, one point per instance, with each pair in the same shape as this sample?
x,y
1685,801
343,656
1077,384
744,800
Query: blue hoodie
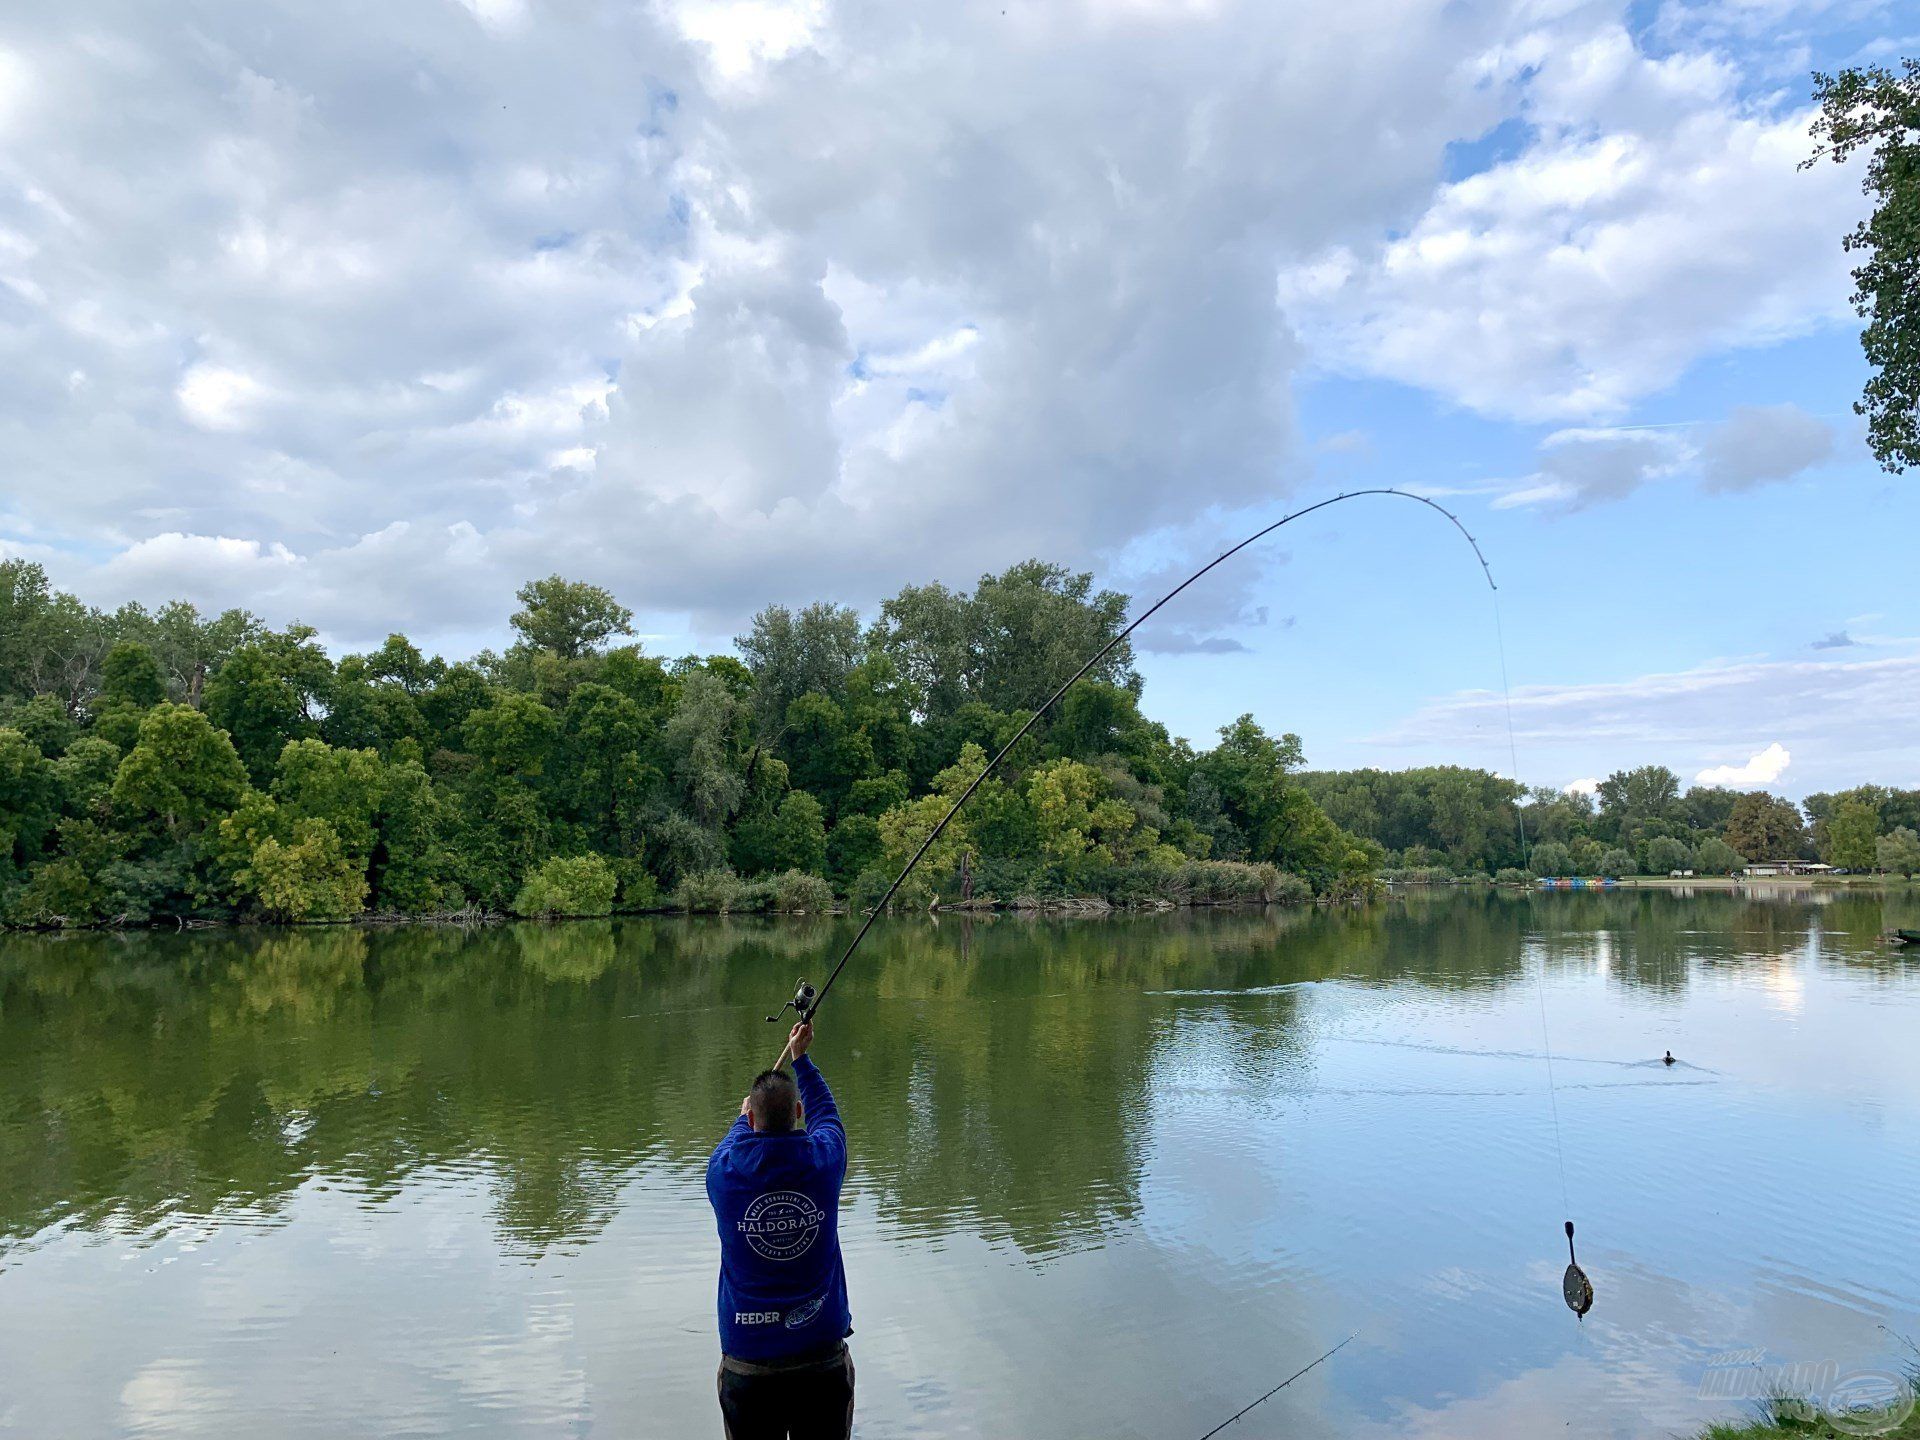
x,y
776,1200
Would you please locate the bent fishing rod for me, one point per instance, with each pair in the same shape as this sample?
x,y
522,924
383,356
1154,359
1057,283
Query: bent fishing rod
x,y
1577,1289
807,1002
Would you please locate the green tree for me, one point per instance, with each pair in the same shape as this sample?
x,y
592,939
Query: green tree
x,y
189,647
701,746
1707,807
604,777
790,655
1615,863
1631,798
83,777
1075,819
1765,827
409,872
800,834
269,692
181,771
1851,830
43,719
567,617
315,780
1898,852
853,845
569,885
514,736
29,800
50,643
1715,857
1552,858
307,876
1873,109
130,675
1008,645
1664,854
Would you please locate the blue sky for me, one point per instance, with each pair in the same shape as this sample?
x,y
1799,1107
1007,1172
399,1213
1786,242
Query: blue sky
x,y
363,318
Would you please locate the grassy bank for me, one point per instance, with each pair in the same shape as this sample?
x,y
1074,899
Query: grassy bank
x,y
1786,1419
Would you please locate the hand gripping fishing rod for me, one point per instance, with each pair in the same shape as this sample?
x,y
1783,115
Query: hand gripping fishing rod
x,y
1092,660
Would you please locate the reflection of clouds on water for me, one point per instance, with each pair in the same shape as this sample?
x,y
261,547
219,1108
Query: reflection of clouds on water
x,y
170,1397
1171,1158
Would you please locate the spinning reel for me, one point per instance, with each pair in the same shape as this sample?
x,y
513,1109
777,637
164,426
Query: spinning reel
x,y
801,1004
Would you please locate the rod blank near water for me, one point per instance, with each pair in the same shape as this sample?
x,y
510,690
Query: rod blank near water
x,y
1093,660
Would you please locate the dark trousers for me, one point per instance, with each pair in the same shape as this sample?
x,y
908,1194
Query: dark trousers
x,y
810,1401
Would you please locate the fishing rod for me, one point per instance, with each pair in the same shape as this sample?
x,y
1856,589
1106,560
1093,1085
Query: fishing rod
x,y
1278,1388
806,1003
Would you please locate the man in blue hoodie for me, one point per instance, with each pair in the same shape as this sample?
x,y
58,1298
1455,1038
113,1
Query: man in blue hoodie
x,y
785,1373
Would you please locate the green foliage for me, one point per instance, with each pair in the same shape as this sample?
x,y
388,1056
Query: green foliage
x,y
131,676
1469,818
1008,645
1765,827
568,885
1552,858
181,772
269,692
29,798
796,892
512,736
1715,857
721,892
568,618
1513,875
1663,854
791,656
852,846
800,835
1899,852
1615,863
1873,109
1851,832
299,789
307,876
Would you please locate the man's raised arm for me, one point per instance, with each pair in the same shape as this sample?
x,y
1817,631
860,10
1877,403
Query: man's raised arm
x,y
823,1116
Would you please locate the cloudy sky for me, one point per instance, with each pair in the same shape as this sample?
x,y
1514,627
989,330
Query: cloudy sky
x,y
362,313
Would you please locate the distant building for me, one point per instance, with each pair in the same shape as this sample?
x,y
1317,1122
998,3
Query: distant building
x,y
1762,869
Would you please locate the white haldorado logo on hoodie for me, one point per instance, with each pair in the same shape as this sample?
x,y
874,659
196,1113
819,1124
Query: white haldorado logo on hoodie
x,y
781,1225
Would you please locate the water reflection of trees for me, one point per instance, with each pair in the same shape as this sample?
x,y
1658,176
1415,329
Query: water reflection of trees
x,y
993,1068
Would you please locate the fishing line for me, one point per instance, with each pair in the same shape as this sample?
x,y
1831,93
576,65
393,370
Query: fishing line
x,y
817,1000
1575,1288
1278,1388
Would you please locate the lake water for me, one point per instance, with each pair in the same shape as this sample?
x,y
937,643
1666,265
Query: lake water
x,y
1110,1177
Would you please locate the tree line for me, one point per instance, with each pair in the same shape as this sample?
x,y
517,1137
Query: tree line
x,y
165,765
1446,820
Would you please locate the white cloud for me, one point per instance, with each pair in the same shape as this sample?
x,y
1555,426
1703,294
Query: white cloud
x,y
1761,768
1599,263
819,286
1844,719
1587,467
217,398
1589,786
1759,444
1755,445
741,36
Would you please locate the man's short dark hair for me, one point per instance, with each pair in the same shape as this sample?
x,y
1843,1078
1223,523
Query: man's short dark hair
x,y
773,1101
